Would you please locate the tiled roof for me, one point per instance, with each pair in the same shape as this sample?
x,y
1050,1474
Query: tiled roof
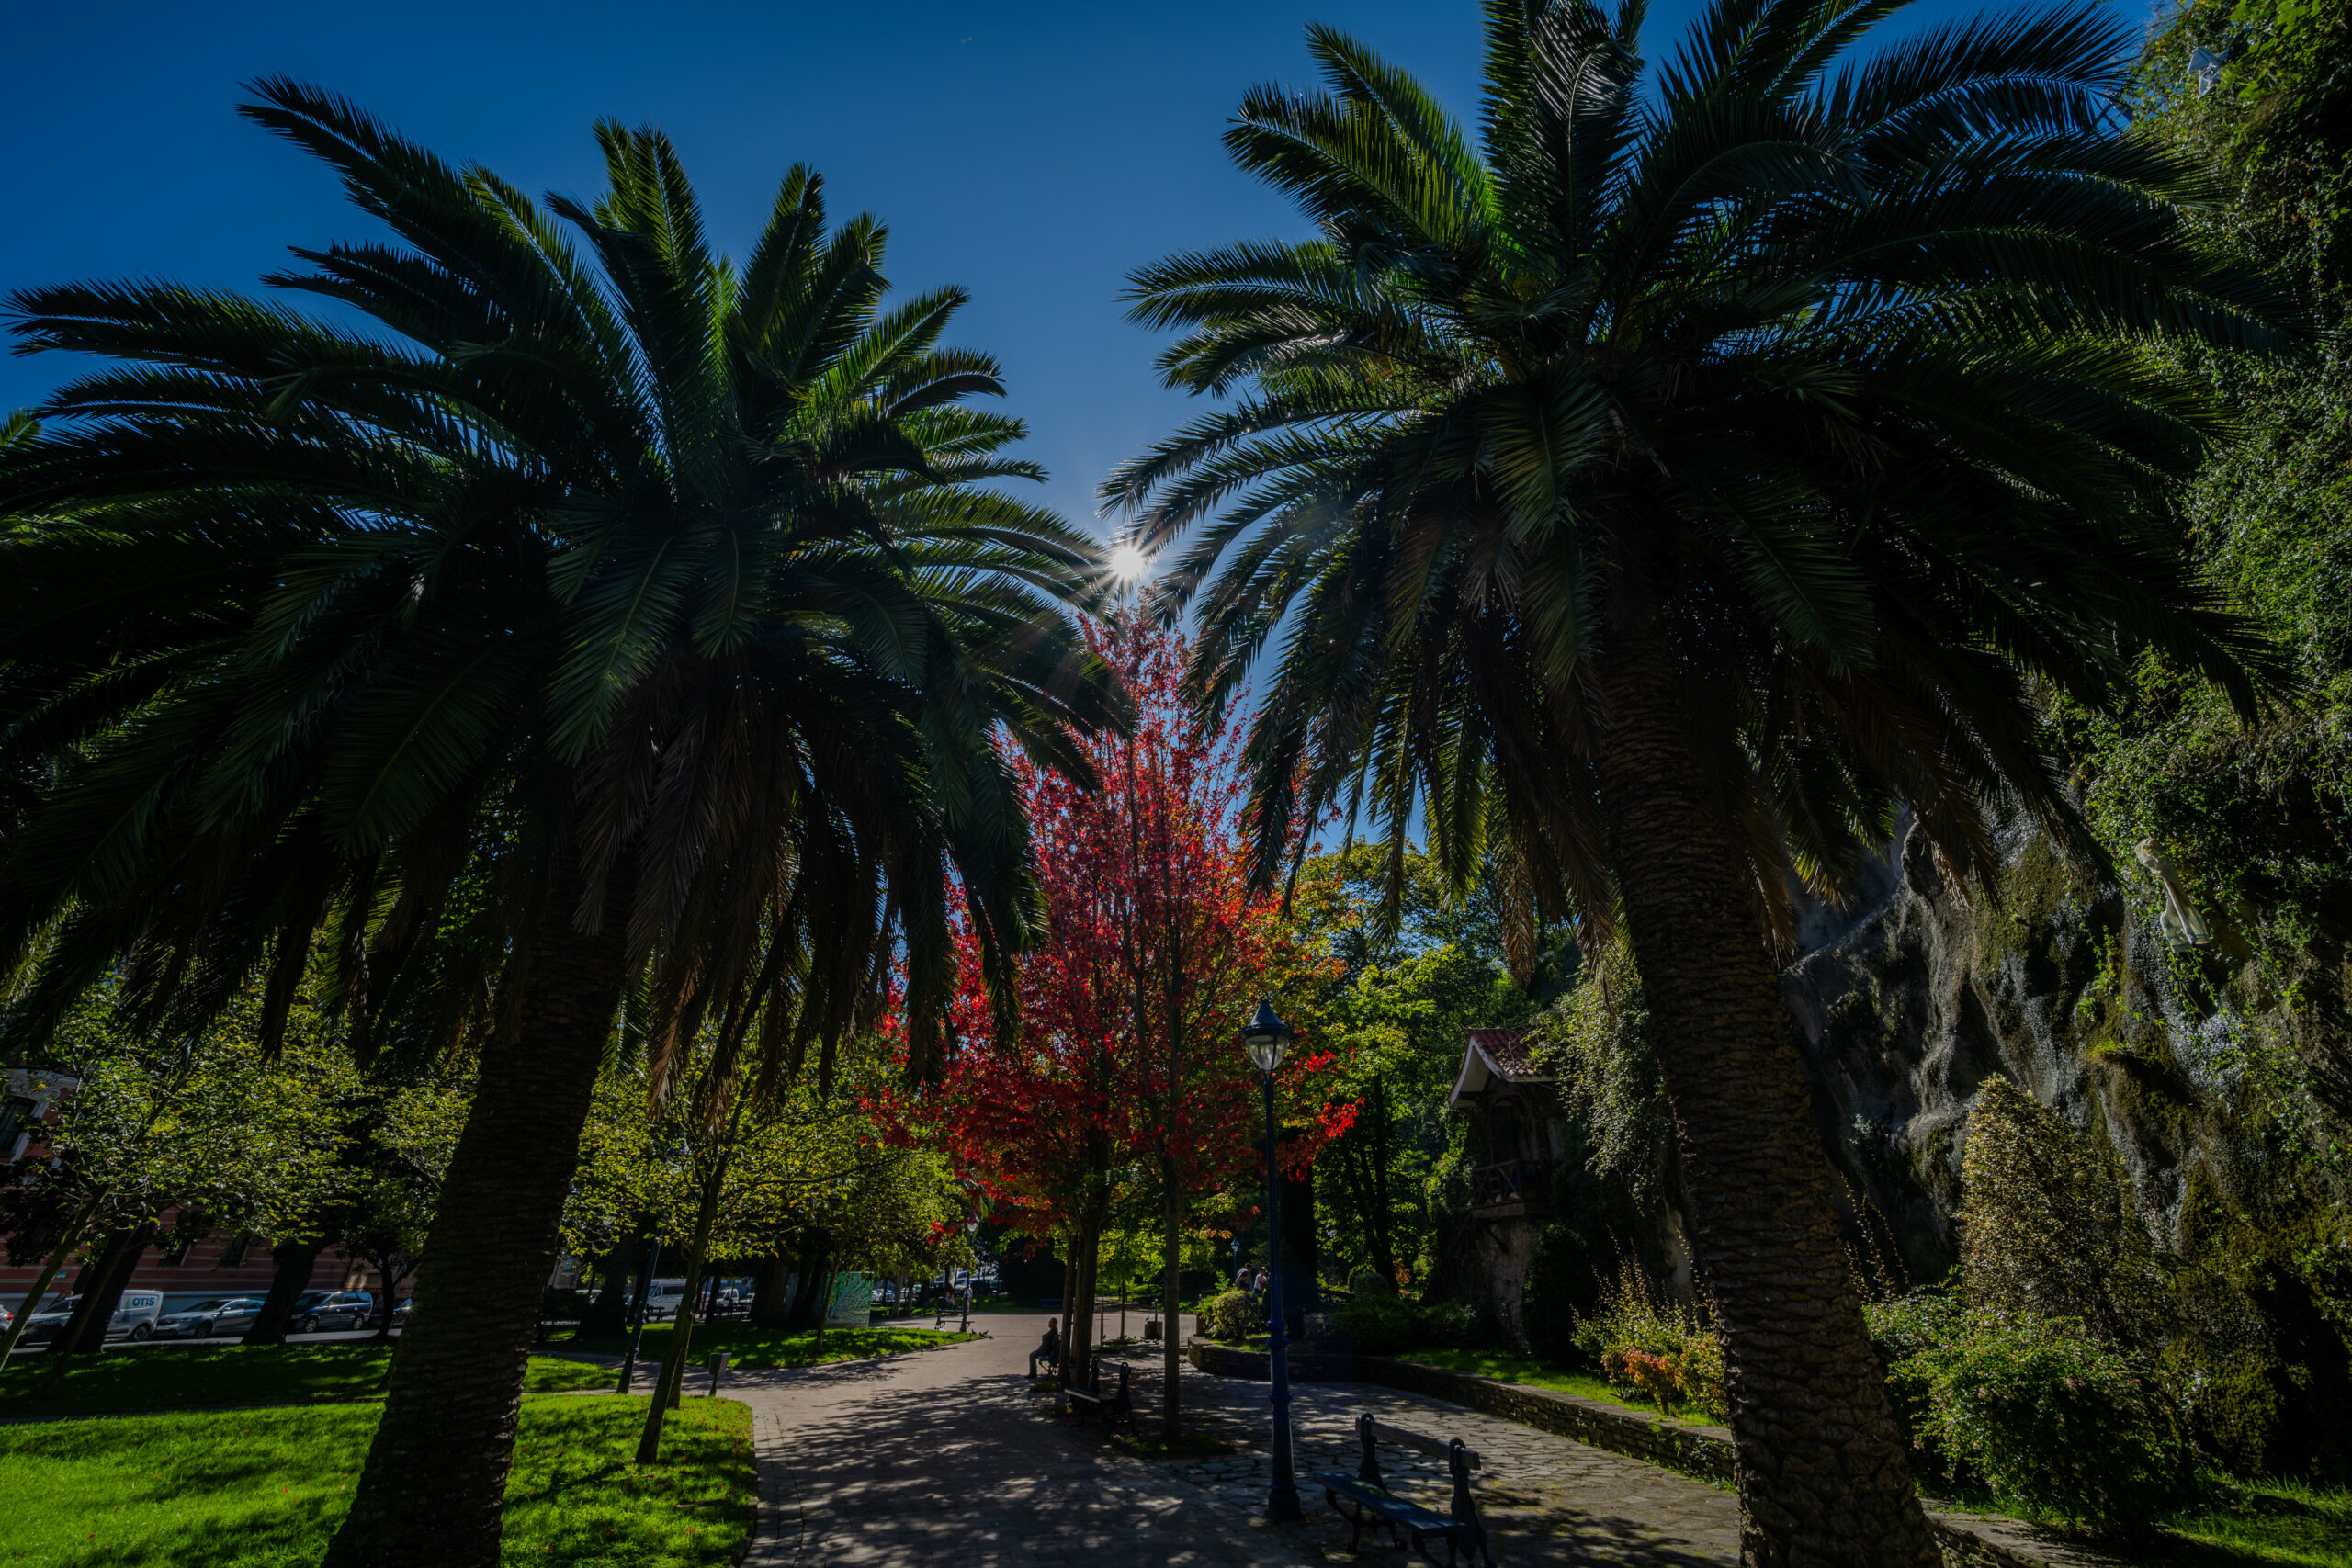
x,y
1492,1055
1508,1050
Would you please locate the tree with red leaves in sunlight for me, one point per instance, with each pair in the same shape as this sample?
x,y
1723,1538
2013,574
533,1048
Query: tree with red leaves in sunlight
x,y
1124,1065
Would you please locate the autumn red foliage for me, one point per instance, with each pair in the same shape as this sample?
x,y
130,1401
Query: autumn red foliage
x,y
1124,1071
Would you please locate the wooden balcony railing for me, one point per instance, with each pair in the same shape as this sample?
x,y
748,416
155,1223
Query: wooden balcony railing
x,y
1518,1184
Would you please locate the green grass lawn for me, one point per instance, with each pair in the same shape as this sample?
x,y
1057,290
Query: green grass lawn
x,y
265,1488
2272,1522
178,1379
1523,1369
749,1346
2234,1524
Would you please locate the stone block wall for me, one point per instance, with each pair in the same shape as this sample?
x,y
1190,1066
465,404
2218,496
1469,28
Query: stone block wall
x,y
1703,1451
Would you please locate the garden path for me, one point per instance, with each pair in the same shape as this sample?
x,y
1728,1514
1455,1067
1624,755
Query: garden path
x,y
946,1457
940,1460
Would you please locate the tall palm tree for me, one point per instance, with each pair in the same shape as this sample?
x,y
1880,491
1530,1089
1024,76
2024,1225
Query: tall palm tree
x,y
1660,488
592,616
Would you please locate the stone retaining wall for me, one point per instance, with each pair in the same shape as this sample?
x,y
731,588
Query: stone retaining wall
x,y
1703,1451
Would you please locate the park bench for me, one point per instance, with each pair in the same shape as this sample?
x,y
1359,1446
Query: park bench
x,y
1368,1499
1113,1407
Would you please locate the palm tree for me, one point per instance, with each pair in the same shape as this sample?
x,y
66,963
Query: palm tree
x,y
1658,490
588,615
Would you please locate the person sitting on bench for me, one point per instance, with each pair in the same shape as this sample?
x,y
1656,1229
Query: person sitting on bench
x,y
1050,1350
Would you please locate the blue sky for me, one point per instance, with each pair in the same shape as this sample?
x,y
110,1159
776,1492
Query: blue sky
x,y
1032,154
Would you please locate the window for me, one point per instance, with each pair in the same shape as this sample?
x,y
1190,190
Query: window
x,y
233,1255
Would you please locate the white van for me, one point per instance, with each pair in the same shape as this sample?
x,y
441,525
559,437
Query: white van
x,y
661,1298
135,1314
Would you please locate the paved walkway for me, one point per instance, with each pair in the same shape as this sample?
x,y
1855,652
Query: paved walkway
x,y
941,1459
946,1458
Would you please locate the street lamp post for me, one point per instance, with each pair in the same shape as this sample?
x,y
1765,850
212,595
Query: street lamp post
x,y
971,1270
1267,1038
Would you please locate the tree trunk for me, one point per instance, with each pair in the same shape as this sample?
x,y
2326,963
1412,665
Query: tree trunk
x,y
292,1264
57,1256
391,1269
84,1333
1823,1475
824,1306
1171,1350
810,1267
436,1477
1069,1299
607,1317
1384,1229
768,1299
673,1369
1077,1334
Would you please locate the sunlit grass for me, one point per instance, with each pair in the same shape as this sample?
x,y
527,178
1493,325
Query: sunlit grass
x,y
1509,1367
749,1346
265,1488
201,1375
2271,1522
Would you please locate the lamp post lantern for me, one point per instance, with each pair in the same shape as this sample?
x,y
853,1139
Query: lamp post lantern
x,y
1267,1038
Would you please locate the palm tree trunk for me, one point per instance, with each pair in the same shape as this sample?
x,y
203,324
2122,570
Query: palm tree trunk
x,y
1822,1471
436,1477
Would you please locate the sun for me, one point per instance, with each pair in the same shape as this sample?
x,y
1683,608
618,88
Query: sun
x,y
1128,563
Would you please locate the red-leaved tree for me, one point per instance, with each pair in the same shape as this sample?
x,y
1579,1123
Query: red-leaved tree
x,y
1125,1057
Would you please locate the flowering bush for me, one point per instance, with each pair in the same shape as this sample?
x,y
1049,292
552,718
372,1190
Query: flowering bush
x,y
1654,1346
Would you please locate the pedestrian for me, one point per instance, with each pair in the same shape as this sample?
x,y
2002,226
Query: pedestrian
x,y
1050,1350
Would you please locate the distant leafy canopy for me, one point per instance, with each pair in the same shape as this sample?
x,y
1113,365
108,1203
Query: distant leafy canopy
x,y
215,1135
809,1158
592,558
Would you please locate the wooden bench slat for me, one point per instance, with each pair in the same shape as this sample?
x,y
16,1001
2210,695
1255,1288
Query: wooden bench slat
x,y
1405,1439
1400,1508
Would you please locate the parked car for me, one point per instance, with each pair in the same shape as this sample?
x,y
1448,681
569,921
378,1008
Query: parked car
x,y
399,1313
333,1310
221,1315
45,1325
134,1317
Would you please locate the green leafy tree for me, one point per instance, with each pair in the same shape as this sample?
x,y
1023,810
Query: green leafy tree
x,y
1413,980
1663,485
596,611
169,1141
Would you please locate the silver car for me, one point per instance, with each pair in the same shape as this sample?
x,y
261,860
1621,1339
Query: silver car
x,y
223,1315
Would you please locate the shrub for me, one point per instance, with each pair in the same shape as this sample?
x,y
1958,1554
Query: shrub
x,y
1654,1346
1379,1326
1367,1282
1233,1316
2046,1415
1901,1331
1385,1326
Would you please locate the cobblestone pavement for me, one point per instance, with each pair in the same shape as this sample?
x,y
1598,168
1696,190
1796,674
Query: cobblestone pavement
x,y
1545,1499
950,1460
944,1460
